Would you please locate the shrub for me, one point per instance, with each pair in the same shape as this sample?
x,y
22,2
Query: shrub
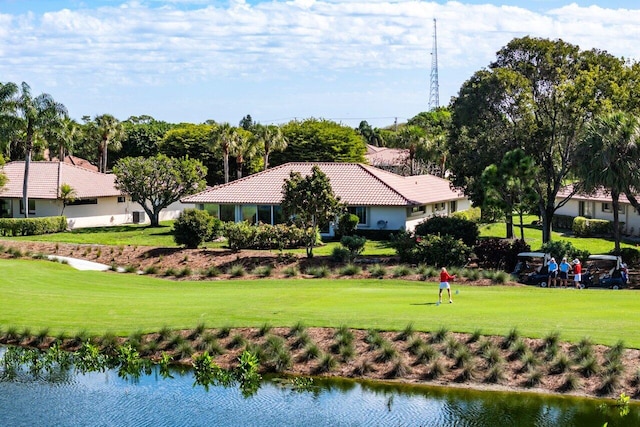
x,y
457,228
402,270
243,235
500,253
426,354
472,214
562,248
192,227
629,255
496,374
340,254
347,224
406,333
354,244
263,271
319,272
431,249
32,226
326,363
237,270
290,272
586,227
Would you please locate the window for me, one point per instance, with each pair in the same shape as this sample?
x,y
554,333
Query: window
x,y
417,210
438,207
78,202
32,206
621,209
278,215
5,208
121,199
249,213
211,208
360,212
264,214
228,213
453,206
606,207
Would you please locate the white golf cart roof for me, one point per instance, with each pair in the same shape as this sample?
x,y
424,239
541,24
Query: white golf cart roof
x,y
534,254
604,257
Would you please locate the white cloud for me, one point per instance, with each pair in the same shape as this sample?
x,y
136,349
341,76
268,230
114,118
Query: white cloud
x,y
160,42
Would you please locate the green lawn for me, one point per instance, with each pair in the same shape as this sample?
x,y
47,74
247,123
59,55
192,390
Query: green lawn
x,y
41,294
533,236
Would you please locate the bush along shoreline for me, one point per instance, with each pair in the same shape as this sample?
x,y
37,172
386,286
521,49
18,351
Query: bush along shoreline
x,y
229,356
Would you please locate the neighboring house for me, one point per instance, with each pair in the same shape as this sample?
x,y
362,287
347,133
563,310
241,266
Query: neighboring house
x,y
394,160
382,200
598,206
97,202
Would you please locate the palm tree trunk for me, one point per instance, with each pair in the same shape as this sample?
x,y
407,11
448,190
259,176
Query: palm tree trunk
x,y
615,203
27,163
239,163
104,156
266,159
225,161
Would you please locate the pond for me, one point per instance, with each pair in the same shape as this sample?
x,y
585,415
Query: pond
x,y
107,399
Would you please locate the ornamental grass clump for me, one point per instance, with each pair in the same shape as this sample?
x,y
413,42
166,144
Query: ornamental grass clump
x,y
493,356
439,335
406,333
310,352
386,352
402,270
263,271
560,364
152,269
534,378
237,341
475,336
350,270
211,271
399,369
462,357
415,345
436,370
377,270
301,340
511,337
264,329
583,350
224,331
297,329
451,346
571,382
552,339
615,352
319,272
184,350
291,272
426,354
589,366
496,374
326,363
363,368
237,270
518,348
374,339
41,336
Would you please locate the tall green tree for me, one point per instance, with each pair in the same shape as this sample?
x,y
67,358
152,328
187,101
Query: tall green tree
x,y
62,139
143,136
244,147
509,187
26,119
310,202
271,139
223,137
193,141
67,194
537,95
156,182
110,133
314,140
607,158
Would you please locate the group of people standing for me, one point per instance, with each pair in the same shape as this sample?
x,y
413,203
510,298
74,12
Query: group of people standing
x,y
559,273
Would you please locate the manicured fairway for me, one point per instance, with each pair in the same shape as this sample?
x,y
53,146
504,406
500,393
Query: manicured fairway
x,y
41,294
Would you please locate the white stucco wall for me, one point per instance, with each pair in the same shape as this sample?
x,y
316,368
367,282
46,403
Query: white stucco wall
x,y
593,209
105,213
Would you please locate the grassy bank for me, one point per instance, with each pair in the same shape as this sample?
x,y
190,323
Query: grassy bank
x,y
40,294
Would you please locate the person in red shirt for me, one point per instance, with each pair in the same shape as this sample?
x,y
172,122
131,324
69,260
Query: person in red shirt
x,y
577,270
444,284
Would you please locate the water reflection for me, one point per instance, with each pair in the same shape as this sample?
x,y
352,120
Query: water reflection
x,y
175,397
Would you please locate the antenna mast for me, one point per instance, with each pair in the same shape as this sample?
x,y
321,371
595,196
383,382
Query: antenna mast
x,y
434,95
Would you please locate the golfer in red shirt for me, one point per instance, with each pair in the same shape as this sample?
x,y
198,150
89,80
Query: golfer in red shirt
x,y
444,284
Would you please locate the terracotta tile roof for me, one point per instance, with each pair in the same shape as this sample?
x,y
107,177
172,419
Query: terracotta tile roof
x,y
45,179
356,184
600,195
382,156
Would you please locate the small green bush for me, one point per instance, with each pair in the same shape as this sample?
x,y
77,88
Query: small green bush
x,y
455,227
350,270
377,270
586,227
347,224
193,227
32,226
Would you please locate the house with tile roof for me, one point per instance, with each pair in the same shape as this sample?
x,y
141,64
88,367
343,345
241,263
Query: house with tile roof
x,y
97,202
598,206
382,200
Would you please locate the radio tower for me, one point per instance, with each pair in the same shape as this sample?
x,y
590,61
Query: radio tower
x,y
434,95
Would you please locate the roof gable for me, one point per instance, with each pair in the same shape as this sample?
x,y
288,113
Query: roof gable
x,y
356,184
45,179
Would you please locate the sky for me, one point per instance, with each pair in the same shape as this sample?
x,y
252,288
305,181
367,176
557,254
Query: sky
x,y
277,60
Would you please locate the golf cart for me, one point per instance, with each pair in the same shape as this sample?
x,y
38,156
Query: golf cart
x,y
532,268
604,271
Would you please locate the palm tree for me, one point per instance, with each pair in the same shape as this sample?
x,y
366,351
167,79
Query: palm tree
x,y
31,117
411,138
271,139
61,140
110,132
224,137
607,157
67,195
244,147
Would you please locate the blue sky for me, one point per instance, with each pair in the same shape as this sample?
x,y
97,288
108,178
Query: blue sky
x,y
346,60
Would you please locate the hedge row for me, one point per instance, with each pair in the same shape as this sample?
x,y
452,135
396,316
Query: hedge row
x,y
32,226
585,227
243,235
